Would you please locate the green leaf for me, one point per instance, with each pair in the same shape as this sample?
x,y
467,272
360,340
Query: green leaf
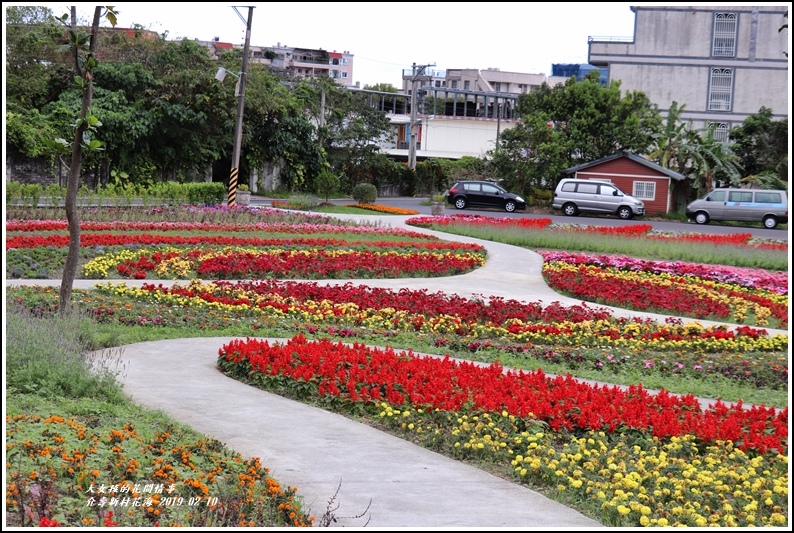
x,y
59,146
111,15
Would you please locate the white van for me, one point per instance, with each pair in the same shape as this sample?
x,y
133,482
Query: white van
x,y
573,196
751,205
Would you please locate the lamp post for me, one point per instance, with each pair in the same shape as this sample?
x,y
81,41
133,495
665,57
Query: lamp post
x,y
238,125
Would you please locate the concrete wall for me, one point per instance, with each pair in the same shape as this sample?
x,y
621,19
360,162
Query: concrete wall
x,y
26,170
670,60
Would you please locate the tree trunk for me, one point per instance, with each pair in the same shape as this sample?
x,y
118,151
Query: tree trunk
x,y
73,179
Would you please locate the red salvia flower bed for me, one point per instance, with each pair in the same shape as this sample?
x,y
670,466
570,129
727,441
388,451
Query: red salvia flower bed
x,y
362,374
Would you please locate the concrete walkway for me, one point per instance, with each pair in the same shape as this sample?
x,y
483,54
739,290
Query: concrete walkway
x,y
377,480
365,477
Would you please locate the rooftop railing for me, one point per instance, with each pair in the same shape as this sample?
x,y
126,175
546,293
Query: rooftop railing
x,y
610,39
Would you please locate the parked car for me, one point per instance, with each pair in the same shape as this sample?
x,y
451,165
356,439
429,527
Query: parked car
x,y
573,196
752,205
483,194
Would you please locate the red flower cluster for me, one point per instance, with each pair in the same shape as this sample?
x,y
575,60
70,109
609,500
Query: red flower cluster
x,y
143,239
358,373
46,522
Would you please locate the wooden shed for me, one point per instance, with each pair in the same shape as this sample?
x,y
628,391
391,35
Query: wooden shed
x,y
636,176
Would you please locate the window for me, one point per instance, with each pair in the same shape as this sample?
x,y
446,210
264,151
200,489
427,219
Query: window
x,y
720,131
768,198
740,196
720,89
587,188
522,88
454,84
724,44
466,85
716,196
644,190
497,87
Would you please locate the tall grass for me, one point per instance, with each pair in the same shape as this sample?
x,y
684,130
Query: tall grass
x,y
49,357
639,247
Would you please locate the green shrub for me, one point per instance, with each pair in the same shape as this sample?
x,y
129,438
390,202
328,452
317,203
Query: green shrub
x,y
205,193
13,192
304,202
364,193
539,197
31,194
56,194
326,184
170,192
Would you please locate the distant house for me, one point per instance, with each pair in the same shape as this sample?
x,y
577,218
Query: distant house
x,y
658,187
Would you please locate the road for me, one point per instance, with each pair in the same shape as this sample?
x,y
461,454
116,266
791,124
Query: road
x,y
406,202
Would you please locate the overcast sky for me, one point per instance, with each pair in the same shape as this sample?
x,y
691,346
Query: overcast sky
x,y
386,37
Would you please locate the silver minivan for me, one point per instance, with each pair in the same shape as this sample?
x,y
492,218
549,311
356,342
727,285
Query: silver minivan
x,y
573,196
750,205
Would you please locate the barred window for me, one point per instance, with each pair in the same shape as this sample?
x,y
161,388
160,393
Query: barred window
x,y
644,190
724,44
721,131
720,89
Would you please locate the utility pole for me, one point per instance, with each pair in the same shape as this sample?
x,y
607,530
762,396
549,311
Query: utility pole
x,y
498,120
238,125
418,70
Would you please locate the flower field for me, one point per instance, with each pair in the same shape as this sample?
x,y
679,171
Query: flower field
x,y
699,291
501,392
163,251
691,467
45,452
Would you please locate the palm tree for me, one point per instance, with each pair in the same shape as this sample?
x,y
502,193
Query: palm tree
x,y
709,158
666,152
766,180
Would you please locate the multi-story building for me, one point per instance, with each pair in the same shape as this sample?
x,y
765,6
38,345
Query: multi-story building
x,y
295,62
313,63
722,62
488,80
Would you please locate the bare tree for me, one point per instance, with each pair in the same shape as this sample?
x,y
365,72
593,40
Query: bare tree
x,y
83,48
